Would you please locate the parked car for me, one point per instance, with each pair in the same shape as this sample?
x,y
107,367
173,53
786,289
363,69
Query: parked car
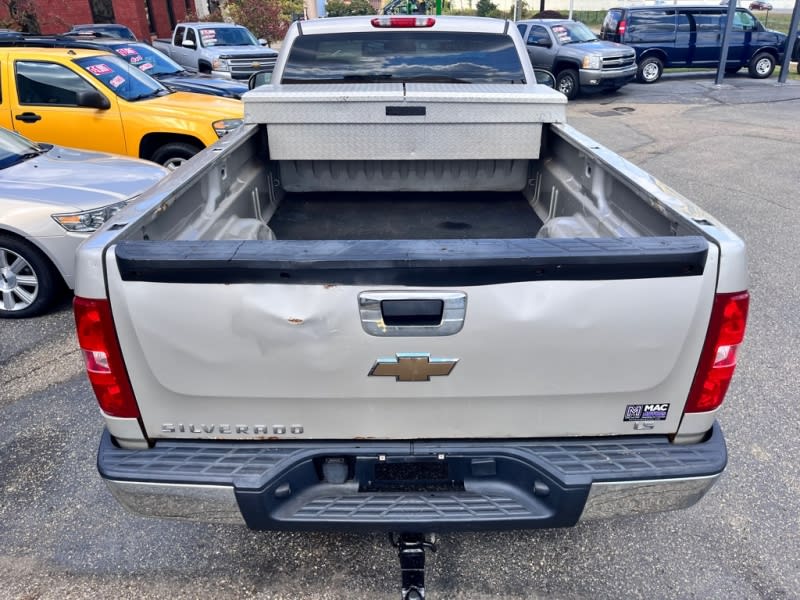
x,y
153,62
577,58
111,29
760,5
691,36
51,199
94,100
218,49
796,51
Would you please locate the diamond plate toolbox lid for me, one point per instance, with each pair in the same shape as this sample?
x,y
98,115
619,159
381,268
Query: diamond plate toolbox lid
x,y
396,121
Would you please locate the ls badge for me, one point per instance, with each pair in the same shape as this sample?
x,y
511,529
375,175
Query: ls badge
x,y
412,366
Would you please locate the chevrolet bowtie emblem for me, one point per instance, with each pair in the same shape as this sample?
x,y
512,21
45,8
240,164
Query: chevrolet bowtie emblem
x,y
255,65
413,366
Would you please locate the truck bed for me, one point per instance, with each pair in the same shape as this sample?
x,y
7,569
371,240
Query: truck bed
x,y
388,216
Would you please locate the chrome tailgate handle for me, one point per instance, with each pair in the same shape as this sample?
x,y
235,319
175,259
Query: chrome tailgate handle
x,y
412,314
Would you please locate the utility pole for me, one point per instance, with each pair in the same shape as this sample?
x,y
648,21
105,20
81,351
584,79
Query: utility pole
x,y
790,43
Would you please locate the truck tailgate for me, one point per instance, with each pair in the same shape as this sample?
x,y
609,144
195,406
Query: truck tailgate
x,y
247,340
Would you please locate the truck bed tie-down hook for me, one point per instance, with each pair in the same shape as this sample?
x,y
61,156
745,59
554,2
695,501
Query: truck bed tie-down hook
x,y
411,549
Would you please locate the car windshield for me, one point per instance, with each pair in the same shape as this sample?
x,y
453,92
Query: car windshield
x,y
403,56
147,59
226,36
572,33
14,148
121,78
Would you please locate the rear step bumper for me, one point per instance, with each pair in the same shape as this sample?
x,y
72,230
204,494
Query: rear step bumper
x,y
411,486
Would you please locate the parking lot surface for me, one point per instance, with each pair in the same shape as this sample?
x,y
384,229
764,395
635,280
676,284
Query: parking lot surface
x,y
735,151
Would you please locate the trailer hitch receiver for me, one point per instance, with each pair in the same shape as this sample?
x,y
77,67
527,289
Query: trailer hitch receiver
x,y
411,549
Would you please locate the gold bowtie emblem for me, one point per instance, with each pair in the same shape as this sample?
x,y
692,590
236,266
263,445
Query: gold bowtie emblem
x,y
413,367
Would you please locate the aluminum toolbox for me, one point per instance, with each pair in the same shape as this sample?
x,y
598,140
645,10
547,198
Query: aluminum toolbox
x,y
398,121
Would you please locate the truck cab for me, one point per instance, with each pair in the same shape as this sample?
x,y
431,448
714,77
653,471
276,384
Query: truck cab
x,y
577,58
218,49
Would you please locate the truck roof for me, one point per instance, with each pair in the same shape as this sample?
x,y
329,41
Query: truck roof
x,y
364,23
214,24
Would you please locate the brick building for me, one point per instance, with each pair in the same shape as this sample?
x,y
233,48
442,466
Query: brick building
x,y
144,17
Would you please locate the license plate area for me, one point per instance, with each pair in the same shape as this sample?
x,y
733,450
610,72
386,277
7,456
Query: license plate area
x,y
409,476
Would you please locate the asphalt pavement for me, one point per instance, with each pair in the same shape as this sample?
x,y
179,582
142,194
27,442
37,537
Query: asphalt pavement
x,y
734,150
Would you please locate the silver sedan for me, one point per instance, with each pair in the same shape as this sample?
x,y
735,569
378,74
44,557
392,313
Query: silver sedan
x,y
51,199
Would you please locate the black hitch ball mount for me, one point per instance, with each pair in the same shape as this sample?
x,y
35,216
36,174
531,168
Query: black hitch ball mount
x,y
411,549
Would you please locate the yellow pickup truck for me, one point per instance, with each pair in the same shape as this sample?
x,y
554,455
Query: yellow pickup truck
x,y
93,100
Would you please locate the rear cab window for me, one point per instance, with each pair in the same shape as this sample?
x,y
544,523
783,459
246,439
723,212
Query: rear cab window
x,y
405,56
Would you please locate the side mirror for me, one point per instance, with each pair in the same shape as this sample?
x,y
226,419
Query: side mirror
x,y
540,43
259,78
187,44
545,78
92,99
262,41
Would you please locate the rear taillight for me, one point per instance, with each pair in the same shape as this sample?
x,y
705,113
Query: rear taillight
x,y
718,359
107,374
401,22
621,27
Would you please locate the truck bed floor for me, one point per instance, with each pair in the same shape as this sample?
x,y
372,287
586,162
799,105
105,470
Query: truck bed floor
x,y
434,215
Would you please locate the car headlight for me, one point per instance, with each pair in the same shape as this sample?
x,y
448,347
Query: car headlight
x,y
592,61
220,64
88,220
226,126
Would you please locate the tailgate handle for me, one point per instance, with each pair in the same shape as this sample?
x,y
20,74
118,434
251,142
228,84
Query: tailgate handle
x,y
405,111
412,314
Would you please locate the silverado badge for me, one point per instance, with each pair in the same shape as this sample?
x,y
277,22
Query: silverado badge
x,y
412,366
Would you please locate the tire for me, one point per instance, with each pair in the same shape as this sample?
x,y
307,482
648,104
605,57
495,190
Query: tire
x,y
28,281
568,83
174,154
761,65
204,68
650,70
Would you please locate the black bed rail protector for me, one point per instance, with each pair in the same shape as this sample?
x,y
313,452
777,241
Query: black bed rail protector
x,y
411,262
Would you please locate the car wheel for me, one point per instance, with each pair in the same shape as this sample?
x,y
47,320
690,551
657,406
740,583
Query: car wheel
x,y
567,83
174,155
761,65
28,282
650,70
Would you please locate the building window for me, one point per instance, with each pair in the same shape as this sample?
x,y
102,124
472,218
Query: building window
x,y
102,11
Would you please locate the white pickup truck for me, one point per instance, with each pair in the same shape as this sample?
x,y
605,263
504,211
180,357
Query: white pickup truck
x,y
219,49
405,296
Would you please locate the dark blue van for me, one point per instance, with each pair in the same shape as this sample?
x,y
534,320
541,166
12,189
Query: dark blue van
x,y
691,36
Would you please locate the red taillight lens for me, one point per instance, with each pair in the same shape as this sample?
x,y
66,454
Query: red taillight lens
x,y
621,27
401,22
718,359
107,374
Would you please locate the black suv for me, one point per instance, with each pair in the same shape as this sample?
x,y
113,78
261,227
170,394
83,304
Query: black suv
x,y
691,36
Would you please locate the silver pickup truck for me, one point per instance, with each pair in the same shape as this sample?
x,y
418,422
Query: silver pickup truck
x,y
406,296
218,49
